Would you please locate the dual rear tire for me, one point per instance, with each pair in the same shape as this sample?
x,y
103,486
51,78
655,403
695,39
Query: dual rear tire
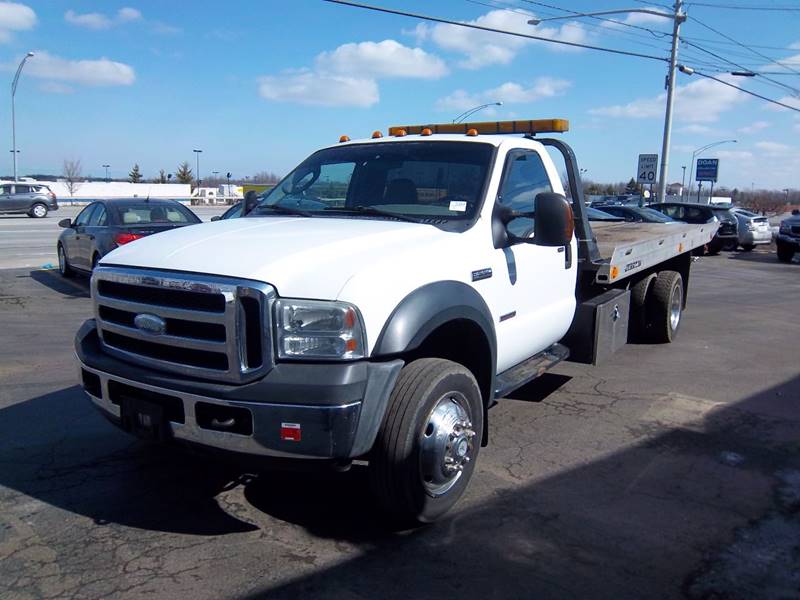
x,y
657,303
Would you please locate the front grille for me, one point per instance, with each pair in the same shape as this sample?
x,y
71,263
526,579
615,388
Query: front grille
x,y
209,327
796,229
727,229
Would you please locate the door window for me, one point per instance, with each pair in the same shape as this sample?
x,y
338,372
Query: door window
x,y
525,177
98,217
22,189
85,215
6,189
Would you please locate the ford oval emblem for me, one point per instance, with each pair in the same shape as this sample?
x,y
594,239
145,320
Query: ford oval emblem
x,y
152,324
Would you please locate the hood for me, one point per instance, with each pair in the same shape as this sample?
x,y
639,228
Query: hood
x,y
301,257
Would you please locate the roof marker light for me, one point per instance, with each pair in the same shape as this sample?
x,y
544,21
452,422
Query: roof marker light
x,y
426,131
376,135
399,132
344,138
529,127
472,132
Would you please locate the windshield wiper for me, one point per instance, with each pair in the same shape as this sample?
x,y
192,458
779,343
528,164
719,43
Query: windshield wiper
x,y
288,210
374,212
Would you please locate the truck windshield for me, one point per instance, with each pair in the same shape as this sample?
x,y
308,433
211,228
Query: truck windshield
x,y
440,183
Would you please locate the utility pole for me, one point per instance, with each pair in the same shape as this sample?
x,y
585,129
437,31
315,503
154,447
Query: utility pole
x,y
677,19
197,154
683,180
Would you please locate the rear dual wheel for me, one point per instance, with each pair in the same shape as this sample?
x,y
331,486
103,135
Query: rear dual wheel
x,y
657,307
428,442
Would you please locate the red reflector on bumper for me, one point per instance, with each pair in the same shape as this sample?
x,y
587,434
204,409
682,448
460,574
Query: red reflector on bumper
x,y
291,432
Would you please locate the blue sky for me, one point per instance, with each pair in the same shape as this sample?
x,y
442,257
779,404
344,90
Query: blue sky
x,y
259,85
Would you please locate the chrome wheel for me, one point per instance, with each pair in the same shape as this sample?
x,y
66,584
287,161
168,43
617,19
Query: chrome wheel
x,y
39,211
675,307
446,444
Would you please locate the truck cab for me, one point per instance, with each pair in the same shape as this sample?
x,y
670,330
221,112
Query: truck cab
x,y
372,306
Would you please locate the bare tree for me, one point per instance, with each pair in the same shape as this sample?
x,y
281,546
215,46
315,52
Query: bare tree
x,y
72,175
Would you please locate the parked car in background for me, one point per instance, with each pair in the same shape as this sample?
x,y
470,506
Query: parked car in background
x,y
727,235
234,212
594,214
788,240
636,214
34,200
753,229
108,224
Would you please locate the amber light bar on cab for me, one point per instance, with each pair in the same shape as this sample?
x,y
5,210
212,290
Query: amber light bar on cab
x,y
487,127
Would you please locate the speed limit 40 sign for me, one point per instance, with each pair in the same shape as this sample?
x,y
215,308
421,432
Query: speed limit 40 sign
x,y
648,168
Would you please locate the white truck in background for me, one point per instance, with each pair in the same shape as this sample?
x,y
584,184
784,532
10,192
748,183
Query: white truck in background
x,y
375,305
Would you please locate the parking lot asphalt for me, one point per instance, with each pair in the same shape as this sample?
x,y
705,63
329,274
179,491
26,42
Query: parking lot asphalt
x,y
672,471
31,243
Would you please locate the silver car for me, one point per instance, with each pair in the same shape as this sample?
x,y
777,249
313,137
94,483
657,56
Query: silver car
x,y
753,229
32,199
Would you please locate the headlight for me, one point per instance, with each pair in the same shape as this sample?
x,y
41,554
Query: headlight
x,y
317,329
784,228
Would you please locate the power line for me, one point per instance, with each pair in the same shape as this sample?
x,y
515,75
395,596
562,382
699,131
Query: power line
x,y
403,13
743,68
746,47
738,7
741,89
615,21
423,17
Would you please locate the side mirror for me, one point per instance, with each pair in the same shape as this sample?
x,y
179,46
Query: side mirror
x,y
216,218
554,224
65,223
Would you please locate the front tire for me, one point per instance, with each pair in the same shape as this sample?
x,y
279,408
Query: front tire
x,y
38,211
785,252
714,247
667,307
748,247
429,440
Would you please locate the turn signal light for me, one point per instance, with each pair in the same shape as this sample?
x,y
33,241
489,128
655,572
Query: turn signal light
x,y
124,238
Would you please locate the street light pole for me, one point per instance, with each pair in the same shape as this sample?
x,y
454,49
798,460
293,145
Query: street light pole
x,y
473,110
683,180
13,114
197,154
106,168
703,149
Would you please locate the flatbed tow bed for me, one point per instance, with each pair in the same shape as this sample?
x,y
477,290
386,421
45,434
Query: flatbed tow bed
x,y
630,248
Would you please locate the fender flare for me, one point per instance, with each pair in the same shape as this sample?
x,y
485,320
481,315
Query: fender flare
x,y
428,307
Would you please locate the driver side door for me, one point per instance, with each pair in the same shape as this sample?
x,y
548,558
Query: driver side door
x,y
540,280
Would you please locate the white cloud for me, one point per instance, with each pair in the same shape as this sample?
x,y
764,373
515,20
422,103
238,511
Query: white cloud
x,y
754,127
99,72
52,87
100,21
381,59
127,14
701,101
648,19
483,48
795,46
507,93
788,100
162,28
88,20
695,128
772,148
317,89
15,17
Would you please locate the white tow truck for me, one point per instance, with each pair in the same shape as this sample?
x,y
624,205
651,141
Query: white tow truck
x,y
376,303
